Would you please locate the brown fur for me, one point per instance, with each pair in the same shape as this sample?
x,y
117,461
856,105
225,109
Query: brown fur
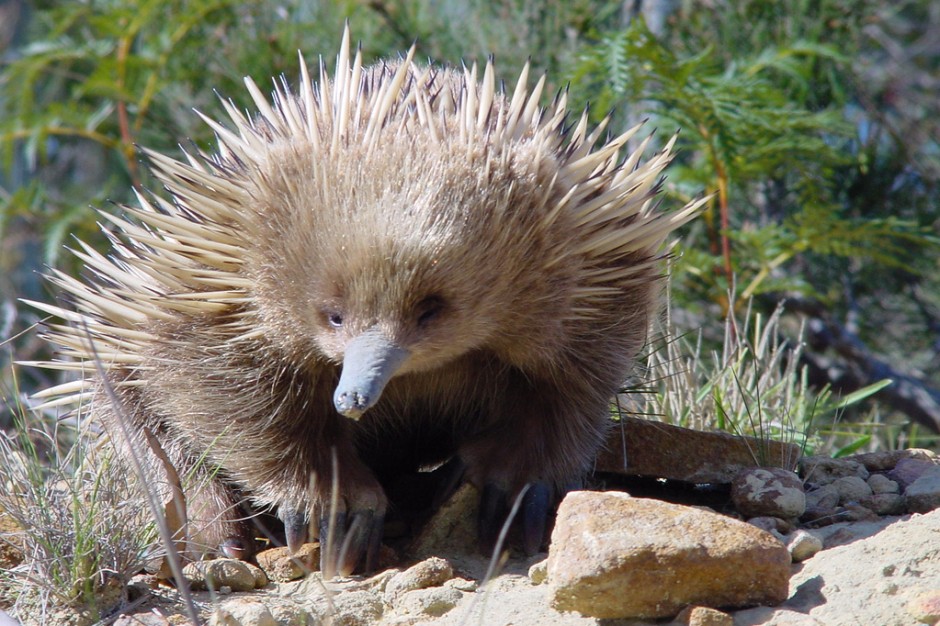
x,y
513,370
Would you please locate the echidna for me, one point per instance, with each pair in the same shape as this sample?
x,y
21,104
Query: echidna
x,y
399,265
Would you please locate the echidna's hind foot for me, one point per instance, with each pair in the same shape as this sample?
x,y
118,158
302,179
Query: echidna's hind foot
x,y
531,517
534,512
218,523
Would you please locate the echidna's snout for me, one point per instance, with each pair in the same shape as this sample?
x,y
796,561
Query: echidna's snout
x,y
370,361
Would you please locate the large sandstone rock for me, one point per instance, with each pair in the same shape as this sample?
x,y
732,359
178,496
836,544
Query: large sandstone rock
x,y
636,449
614,556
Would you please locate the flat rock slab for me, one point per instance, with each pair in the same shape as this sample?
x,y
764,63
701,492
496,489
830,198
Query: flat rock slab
x,y
635,448
882,579
614,556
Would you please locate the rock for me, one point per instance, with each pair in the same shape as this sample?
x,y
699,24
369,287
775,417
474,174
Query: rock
x,y
636,449
765,616
11,552
879,483
851,489
822,498
538,573
702,616
279,565
887,459
452,528
379,581
822,470
138,619
923,495
771,491
925,606
242,612
870,580
909,470
884,503
822,507
431,572
355,608
771,524
668,556
803,545
817,517
218,573
462,584
431,602
843,533
855,512
509,599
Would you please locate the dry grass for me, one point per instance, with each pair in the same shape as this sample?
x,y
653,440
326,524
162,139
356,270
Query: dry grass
x,y
83,528
752,384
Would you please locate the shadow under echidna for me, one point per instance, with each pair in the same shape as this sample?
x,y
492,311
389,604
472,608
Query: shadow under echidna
x,y
398,266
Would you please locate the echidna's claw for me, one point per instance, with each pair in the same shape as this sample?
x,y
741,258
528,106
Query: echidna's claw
x,y
332,535
492,516
352,547
374,543
296,526
536,506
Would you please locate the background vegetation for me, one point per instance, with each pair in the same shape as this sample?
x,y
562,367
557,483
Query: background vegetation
x,y
811,279
814,123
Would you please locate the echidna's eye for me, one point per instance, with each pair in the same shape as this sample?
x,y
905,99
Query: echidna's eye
x,y
429,309
335,319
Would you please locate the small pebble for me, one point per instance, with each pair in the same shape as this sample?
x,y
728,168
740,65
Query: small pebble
x,y
879,483
803,545
925,607
702,616
771,524
218,573
909,470
281,566
851,489
923,495
431,572
538,573
433,602
884,503
825,497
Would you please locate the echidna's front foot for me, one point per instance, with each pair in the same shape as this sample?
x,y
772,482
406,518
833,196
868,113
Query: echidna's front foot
x,y
349,521
350,542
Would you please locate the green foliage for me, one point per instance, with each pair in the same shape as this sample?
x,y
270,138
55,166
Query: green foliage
x,y
764,128
99,79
